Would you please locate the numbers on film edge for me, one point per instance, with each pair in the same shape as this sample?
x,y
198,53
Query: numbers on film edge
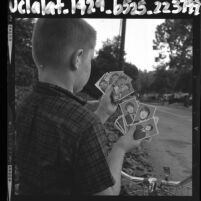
x,y
126,7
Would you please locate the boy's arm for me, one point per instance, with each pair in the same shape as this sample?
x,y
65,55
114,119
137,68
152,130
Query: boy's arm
x,y
115,161
124,144
103,116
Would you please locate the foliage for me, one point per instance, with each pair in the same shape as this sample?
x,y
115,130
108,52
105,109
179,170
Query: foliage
x,y
174,43
176,37
25,70
107,60
144,82
164,81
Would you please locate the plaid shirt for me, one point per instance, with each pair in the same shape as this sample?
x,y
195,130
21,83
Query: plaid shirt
x,y
60,145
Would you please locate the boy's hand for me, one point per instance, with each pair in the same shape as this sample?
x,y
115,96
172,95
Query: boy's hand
x,y
127,142
106,108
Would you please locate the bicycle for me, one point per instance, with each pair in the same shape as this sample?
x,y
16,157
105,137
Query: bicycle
x,y
152,186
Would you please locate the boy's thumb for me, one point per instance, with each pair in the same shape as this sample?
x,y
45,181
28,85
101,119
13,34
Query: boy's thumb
x,y
109,89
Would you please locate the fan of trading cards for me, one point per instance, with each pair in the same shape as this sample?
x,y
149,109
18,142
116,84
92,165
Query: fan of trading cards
x,y
136,116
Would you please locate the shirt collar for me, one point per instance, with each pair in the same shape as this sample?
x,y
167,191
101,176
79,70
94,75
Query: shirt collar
x,y
51,89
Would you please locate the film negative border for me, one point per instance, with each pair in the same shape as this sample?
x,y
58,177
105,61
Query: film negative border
x,y
10,126
196,127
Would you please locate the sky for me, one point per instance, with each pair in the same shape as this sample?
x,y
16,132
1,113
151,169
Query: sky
x,y
138,42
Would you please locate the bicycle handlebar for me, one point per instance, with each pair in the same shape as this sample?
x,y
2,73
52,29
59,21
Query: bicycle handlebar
x,y
151,179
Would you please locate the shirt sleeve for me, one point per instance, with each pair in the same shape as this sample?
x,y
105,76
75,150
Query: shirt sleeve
x,y
92,173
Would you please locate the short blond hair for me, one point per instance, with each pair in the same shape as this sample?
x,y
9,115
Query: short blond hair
x,y
52,38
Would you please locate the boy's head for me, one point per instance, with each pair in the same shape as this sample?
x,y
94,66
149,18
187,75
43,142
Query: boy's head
x,y
64,45
144,113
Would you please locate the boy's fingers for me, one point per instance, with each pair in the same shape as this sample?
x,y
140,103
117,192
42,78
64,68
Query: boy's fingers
x,y
131,129
111,86
109,90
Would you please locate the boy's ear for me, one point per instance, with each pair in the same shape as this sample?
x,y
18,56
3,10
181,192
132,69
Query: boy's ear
x,y
76,59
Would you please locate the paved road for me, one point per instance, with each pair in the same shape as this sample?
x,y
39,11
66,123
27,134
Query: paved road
x,y
173,146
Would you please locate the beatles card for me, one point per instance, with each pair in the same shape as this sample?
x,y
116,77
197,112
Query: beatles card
x,y
114,75
102,83
122,88
156,119
117,125
129,110
120,122
144,129
107,79
121,83
144,112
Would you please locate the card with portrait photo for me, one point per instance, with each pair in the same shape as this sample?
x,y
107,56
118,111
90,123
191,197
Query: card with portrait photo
x,y
122,88
120,124
156,119
102,83
144,130
117,126
144,112
114,76
107,79
129,110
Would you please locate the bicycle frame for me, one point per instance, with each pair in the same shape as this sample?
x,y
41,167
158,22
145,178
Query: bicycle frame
x,y
153,183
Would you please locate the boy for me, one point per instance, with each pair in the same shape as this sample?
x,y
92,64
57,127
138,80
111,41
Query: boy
x,y
59,142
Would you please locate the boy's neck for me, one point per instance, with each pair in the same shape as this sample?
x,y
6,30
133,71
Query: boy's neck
x,y
62,80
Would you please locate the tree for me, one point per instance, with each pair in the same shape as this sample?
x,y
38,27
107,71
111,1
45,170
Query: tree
x,y
164,81
107,60
25,70
174,43
144,82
